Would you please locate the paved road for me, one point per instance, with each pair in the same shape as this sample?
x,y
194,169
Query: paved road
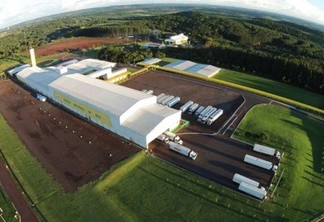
x,y
15,196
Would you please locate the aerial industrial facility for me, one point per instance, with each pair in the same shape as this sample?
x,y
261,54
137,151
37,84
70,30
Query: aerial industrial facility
x,y
129,113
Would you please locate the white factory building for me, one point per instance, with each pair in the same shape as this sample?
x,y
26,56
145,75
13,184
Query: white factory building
x,y
176,40
129,113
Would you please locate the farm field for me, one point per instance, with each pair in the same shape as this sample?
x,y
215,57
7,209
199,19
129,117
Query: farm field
x,y
273,87
75,43
301,190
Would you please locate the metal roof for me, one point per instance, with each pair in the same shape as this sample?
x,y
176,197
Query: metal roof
x,y
144,120
177,37
151,61
18,69
195,68
113,98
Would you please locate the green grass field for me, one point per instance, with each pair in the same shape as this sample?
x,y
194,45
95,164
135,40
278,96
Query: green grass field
x,y
143,188
8,210
302,141
273,87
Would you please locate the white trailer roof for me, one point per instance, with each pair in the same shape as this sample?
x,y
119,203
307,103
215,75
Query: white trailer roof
x,y
264,149
116,99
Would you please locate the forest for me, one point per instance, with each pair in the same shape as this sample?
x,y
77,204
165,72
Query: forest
x,y
279,50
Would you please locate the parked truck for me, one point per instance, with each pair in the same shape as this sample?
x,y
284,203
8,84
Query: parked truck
x,y
186,106
266,150
150,92
199,110
260,163
163,138
173,137
259,193
238,178
193,108
214,116
173,102
207,115
144,90
164,102
183,150
203,113
162,98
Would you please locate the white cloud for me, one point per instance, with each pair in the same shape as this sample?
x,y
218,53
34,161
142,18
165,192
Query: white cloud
x,y
15,11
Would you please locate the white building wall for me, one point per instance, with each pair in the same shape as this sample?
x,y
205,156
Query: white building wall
x,y
168,123
138,105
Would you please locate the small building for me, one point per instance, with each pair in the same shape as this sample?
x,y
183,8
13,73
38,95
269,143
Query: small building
x,y
177,40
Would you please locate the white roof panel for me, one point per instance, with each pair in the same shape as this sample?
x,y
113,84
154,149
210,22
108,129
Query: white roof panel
x,y
107,96
144,120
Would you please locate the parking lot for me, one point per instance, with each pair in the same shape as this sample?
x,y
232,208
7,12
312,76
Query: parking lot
x,y
219,156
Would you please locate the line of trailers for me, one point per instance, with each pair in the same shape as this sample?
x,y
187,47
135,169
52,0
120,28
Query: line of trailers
x,y
205,115
167,100
250,186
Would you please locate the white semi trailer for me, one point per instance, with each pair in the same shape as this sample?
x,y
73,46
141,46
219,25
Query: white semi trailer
x,y
164,102
199,110
173,137
193,108
150,92
162,98
186,106
266,150
214,116
163,138
259,193
207,115
260,163
173,102
238,178
203,113
183,150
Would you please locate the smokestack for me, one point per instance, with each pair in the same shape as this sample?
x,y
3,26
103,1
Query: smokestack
x,y
32,57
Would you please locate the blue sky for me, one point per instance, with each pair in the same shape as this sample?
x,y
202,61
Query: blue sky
x,y
16,11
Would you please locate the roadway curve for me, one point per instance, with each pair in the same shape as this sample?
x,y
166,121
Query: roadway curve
x,y
15,196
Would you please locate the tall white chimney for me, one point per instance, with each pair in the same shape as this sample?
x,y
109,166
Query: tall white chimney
x,y
32,57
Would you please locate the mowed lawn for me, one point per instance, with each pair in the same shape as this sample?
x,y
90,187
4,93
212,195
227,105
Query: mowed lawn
x,y
7,208
143,188
273,87
302,140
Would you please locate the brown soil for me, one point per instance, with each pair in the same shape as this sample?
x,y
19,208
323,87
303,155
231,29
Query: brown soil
x,y
72,150
75,43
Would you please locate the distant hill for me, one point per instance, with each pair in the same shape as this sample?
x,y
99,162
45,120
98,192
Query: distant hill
x,y
157,9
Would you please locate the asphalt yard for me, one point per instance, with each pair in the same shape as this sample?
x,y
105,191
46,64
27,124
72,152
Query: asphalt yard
x,y
219,156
